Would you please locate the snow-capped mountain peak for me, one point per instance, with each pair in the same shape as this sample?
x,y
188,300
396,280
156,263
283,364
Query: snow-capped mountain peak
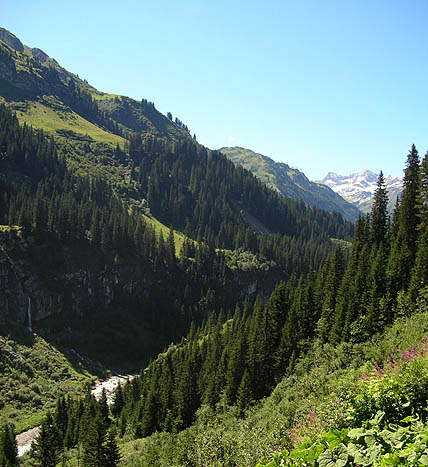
x,y
358,188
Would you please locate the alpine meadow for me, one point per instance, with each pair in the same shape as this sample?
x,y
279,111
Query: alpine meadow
x,y
166,304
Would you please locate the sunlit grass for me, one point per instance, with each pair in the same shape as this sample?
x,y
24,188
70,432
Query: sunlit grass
x,y
162,229
50,120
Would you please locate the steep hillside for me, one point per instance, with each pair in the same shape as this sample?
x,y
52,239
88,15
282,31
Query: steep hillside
x,y
290,182
57,218
316,347
332,391
115,236
359,188
49,97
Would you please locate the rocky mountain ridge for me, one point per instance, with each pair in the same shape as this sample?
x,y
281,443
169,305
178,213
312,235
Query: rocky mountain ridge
x,y
11,40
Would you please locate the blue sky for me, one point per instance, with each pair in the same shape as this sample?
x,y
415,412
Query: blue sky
x,y
321,85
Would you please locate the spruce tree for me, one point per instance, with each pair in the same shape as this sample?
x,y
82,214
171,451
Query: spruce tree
x,y
404,245
118,402
419,278
46,448
335,272
94,443
103,406
376,290
112,455
379,213
8,448
244,395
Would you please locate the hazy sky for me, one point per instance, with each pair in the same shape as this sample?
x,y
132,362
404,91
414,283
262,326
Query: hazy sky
x,y
321,85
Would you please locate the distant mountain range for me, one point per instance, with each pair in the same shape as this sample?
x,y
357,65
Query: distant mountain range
x,y
358,188
291,182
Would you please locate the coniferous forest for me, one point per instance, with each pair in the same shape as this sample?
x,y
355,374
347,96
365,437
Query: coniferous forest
x,y
256,330
237,351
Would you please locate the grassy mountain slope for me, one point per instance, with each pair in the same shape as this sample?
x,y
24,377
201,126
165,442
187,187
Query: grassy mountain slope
x,y
34,84
291,182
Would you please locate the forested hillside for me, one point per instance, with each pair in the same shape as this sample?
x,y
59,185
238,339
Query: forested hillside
x,y
124,240
291,182
345,301
217,374
59,218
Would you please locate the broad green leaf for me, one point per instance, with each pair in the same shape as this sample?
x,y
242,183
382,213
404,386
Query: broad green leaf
x,y
370,440
358,433
313,452
361,458
335,437
337,457
423,459
374,451
353,450
390,460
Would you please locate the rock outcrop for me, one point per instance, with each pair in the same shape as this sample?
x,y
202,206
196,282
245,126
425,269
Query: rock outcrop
x,y
39,54
11,40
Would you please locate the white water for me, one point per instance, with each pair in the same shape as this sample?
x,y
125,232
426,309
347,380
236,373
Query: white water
x,y
25,439
30,327
109,385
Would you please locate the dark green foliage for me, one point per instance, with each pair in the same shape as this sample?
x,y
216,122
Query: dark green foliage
x,y
94,449
118,402
8,449
419,278
242,359
244,395
404,244
112,455
379,213
203,194
47,447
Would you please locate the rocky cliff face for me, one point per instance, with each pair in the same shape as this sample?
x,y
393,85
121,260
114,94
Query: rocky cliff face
x,y
73,287
12,295
40,55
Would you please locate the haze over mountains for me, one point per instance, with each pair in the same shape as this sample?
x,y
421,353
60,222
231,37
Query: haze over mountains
x,y
359,188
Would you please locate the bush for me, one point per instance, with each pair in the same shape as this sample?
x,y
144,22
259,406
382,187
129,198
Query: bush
x,y
398,389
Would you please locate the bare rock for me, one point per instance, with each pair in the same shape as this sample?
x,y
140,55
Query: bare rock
x,y
11,40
